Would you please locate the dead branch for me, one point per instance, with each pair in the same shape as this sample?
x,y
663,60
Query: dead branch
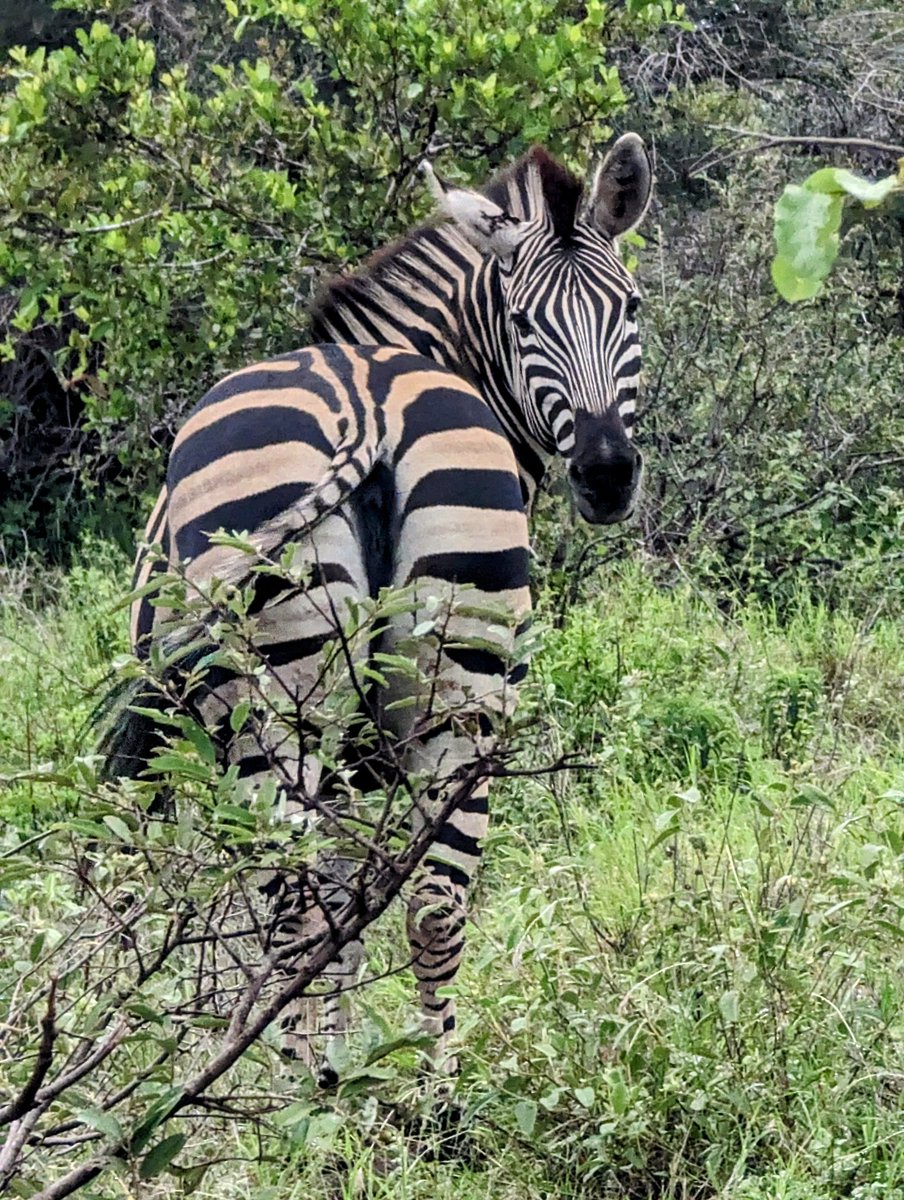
x,y
770,141
23,1102
373,895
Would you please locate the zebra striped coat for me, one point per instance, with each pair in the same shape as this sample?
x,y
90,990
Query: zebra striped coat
x,y
522,293
381,469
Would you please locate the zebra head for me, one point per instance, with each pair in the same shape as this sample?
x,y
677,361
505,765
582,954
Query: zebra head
x,y
566,324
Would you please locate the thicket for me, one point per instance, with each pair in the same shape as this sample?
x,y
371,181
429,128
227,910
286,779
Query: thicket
x,y
177,180
776,429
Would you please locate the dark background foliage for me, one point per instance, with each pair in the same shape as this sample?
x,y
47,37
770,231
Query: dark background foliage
x,y
178,180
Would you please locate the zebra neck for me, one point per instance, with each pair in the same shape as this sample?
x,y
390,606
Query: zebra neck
x,y
435,294
486,358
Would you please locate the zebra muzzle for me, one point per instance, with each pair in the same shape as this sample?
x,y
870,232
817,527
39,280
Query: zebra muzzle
x,y
605,481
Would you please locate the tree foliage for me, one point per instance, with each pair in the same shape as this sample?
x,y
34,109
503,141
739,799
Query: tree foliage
x,y
166,216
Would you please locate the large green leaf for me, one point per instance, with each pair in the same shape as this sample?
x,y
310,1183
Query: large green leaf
x,y
160,1156
807,220
806,238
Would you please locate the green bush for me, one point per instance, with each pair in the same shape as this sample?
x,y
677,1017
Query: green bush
x,y
681,979
167,220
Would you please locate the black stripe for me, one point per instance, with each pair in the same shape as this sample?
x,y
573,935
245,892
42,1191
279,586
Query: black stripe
x,y
373,504
145,622
628,369
437,239
447,871
442,977
253,765
453,838
462,488
245,512
476,662
268,588
262,378
440,409
489,570
153,533
280,654
246,429
435,955
517,674
477,805
436,1006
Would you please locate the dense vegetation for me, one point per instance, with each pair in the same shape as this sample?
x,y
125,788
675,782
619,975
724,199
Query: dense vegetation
x,y
684,975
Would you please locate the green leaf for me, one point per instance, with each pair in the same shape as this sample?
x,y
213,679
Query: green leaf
x,y
666,825
190,1178
729,1007
585,1096
202,742
159,1158
419,1042
836,181
806,238
118,827
239,715
155,1116
526,1116
103,1122
791,286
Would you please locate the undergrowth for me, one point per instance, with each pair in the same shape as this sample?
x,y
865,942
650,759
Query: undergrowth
x,y
683,976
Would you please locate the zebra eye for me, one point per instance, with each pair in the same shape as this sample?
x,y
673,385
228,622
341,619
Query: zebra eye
x,y
521,321
631,307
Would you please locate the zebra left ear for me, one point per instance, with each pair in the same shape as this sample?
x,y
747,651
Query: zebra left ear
x,y
488,228
622,187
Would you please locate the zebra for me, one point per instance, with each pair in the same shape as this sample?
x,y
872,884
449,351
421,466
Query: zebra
x,y
380,469
519,299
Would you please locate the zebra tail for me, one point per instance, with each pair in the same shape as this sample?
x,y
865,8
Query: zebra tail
x,y
347,472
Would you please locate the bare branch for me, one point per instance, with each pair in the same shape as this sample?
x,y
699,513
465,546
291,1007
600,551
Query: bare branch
x,y
770,141
21,1105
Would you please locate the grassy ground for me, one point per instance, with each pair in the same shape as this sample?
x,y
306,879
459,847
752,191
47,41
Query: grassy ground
x,y
684,975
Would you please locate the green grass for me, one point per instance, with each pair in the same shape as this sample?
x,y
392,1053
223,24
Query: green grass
x,y
684,973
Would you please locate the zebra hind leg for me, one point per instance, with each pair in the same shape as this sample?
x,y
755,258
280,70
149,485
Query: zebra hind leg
x,y
315,1027
437,912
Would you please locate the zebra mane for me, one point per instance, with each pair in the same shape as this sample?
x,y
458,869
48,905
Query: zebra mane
x,y
534,186
538,182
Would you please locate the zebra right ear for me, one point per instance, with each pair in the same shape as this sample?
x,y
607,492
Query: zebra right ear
x,y
489,228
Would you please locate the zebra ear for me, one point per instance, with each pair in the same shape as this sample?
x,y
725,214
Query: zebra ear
x,y
488,228
622,187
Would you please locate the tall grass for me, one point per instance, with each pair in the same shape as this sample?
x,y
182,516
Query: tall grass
x,y
685,965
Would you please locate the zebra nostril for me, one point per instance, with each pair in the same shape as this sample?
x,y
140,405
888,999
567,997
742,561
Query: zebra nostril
x,y
609,473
